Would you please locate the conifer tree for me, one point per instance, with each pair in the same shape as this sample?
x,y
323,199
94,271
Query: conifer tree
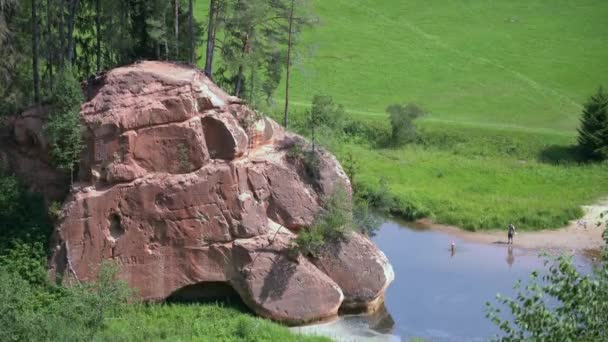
x,y
593,132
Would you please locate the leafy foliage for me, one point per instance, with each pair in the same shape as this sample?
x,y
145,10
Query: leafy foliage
x,y
364,219
304,159
77,313
324,112
64,128
561,305
402,122
24,231
593,132
253,48
334,222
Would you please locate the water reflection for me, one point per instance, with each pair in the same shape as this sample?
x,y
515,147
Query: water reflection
x,y
510,256
381,321
374,327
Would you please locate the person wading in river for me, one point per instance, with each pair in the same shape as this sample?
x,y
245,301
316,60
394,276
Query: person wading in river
x,y
510,233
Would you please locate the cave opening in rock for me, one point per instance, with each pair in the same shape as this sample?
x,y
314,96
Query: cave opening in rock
x,y
208,292
218,138
116,229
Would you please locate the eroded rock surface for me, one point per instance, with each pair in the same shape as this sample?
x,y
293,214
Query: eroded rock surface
x,y
183,185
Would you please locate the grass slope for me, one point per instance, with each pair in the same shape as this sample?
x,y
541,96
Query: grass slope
x,y
480,179
523,62
503,82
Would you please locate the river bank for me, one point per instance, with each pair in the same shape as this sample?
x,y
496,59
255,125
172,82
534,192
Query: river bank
x,y
438,295
583,235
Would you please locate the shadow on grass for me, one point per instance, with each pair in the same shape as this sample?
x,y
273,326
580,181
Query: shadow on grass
x,y
560,154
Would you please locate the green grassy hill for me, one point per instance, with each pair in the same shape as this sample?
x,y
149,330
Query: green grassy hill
x,y
503,82
527,63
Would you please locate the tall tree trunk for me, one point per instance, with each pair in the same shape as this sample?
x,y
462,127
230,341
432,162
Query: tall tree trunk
x,y
98,32
239,78
176,29
191,31
239,82
71,21
49,45
288,66
252,87
36,76
165,43
61,26
213,9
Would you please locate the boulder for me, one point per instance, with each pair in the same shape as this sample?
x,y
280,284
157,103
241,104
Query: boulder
x,y
187,189
360,269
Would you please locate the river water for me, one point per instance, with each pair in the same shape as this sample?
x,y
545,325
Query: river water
x,y
437,295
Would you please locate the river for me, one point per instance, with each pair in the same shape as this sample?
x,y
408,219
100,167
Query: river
x,y
437,295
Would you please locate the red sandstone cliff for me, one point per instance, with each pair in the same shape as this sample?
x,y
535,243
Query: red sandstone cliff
x,y
183,185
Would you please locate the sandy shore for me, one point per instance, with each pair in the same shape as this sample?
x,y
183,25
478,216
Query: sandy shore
x,y
579,236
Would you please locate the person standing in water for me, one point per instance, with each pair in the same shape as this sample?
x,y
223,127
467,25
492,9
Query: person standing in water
x,y
510,233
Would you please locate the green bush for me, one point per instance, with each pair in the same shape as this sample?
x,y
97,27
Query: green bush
x,y
375,133
324,112
307,160
64,128
402,122
24,231
334,222
364,219
593,132
77,313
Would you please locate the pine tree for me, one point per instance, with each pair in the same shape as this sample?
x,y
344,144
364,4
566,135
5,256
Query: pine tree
x,y
593,132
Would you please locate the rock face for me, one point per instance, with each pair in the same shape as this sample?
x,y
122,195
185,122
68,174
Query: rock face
x,y
24,151
183,185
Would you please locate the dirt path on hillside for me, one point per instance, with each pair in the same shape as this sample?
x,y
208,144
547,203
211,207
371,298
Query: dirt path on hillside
x,y
583,235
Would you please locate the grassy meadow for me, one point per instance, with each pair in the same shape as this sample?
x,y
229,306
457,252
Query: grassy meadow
x,y
195,322
503,83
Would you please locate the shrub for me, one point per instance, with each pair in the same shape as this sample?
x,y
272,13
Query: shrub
x,y
324,113
305,160
64,128
402,122
333,223
24,231
364,219
593,132
380,197
373,132
78,313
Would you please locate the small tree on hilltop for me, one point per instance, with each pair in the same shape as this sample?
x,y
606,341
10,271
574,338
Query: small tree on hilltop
x,y
64,128
593,133
402,122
